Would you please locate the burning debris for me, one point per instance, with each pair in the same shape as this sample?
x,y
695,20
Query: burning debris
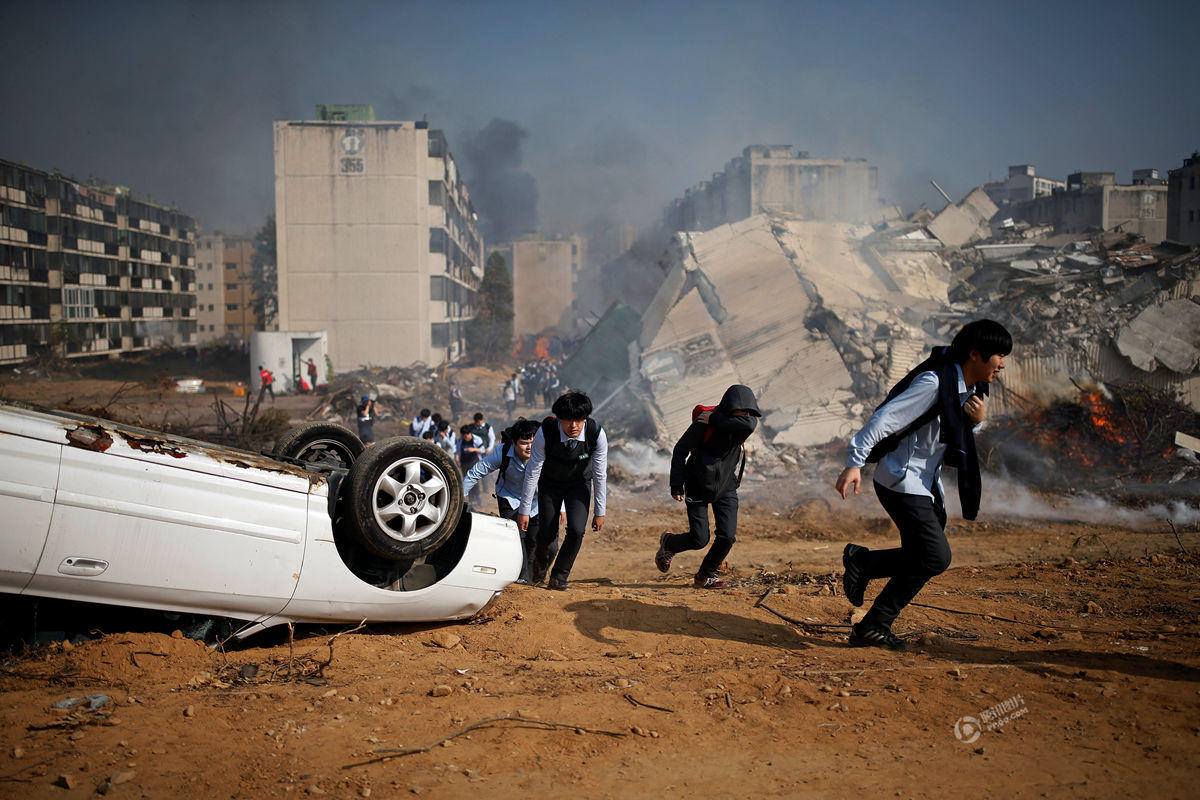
x,y
1119,437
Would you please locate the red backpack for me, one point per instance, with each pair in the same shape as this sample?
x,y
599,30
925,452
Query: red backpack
x,y
696,411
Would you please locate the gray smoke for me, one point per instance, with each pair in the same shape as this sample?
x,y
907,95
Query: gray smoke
x,y
504,194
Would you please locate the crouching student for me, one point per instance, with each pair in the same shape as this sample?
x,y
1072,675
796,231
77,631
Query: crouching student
x,y
510,460
706,467
568,456
927,420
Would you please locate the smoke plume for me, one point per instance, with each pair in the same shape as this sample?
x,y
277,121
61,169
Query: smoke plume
x,y
504,194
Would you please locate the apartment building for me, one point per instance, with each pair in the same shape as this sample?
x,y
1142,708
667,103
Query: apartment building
x,y
546,281
225,288
377,240
88,270
1183,201
1022,184
1094,201
778,179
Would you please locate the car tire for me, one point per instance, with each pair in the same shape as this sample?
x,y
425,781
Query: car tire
x,y
403,498
322,443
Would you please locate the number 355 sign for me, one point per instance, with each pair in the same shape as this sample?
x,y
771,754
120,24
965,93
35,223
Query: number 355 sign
x,y
351,145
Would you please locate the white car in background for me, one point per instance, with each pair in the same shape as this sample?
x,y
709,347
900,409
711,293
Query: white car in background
x,y
320,531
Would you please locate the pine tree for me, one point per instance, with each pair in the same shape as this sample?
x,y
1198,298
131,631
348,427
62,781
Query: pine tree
x,y
263,272
490,334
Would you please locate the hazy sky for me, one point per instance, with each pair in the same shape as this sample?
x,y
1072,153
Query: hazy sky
x,y
624,104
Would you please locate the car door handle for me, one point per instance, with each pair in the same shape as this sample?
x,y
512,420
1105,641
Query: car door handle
x,y
75,565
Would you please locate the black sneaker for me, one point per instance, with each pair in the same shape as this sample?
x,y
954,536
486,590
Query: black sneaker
x,y
557,584
863,635
662,559
540,566
854,581
708,583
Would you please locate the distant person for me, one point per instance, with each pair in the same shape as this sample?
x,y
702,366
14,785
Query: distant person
x,y
511,391
267,380
470,450
550,383
706,468
421,423
927,420
485,432
568,456
312,374
509,461
366,420
456,401
445,439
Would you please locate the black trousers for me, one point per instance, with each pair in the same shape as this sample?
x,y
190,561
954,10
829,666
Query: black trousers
x,y
528,539
923,552
725,511
551,496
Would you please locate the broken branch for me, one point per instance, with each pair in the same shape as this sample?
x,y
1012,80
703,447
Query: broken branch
x,y
519,722
634,701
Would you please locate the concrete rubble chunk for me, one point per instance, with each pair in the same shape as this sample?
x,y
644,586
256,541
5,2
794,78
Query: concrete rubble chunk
x,y
1166,334
965,221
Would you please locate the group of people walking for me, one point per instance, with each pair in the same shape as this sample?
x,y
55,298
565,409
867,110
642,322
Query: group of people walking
x,y
555,471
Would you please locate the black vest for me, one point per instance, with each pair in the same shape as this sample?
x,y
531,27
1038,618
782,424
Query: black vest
x,y
569,461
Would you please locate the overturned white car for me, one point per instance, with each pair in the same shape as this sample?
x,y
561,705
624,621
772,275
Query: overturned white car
x,y
321,531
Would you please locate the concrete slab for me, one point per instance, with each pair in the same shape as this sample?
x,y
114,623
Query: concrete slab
x,y
1166,334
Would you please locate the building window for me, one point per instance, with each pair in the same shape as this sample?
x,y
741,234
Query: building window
x,y
437,288
211,307
439,334
231,306
437,193
229,266
232,287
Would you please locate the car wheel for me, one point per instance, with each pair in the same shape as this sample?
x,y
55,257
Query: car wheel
x,y
322,443
404,498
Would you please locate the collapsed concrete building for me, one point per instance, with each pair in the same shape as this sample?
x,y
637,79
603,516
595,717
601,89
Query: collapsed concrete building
x,y
821,317
815,316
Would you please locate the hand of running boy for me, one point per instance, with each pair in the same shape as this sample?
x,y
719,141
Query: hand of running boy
x,y
523,521
974,409
678,498
850,478
597,523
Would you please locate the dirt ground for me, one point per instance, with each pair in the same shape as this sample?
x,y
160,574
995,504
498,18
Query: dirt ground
x,y
1062,661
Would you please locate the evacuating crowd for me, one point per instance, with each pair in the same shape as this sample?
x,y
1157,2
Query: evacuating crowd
x,y
553,472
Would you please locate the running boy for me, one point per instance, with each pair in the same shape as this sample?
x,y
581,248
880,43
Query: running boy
x,y
510,460
568,451
927,420
705,471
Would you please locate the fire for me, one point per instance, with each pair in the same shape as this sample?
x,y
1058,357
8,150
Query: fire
x,y
1089,433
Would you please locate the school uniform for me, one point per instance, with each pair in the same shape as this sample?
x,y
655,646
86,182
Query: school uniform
x,y
909,486
509,483
563,471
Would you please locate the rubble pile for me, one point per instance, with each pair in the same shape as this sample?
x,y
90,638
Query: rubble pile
x,y
1071,297
821,318
396,390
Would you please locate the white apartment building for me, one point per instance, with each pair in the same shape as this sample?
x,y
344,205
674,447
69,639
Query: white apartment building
x,y
377,241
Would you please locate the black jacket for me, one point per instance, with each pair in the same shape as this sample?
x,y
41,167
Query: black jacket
x,y
705,470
